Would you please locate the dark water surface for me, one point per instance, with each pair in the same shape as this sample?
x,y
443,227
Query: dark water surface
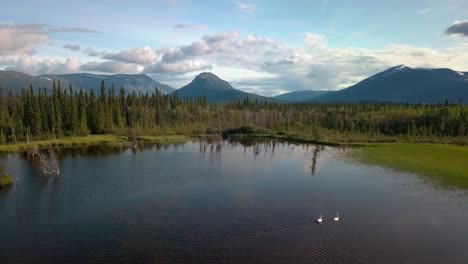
x,y
225,202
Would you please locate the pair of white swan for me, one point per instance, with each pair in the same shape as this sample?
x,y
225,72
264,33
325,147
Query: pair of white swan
x,y
336,219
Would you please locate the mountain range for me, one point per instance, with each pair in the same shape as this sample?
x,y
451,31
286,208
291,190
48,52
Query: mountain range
x,y
397,84
405,84
14,80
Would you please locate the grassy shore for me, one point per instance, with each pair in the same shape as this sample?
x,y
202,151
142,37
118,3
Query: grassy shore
x,y
91,140
446,163
167,139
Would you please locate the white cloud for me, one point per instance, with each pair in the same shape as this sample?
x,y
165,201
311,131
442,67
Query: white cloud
x,y
28,64
224,49
315,41
177,67
197,48
143,55
110,67
220,37
20,39
191,26
244,7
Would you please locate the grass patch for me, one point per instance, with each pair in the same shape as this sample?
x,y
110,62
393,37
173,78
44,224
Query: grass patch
x,y
446,163
91,140
65,142
167,139
6,180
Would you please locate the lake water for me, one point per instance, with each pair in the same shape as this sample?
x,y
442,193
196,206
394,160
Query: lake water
x,y
226,202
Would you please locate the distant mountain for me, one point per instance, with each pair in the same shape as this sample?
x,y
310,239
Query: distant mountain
x,y
216,90
13,80
405,84
300,96
131,82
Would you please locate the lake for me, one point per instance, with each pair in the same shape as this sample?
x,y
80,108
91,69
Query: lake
x,y
226,202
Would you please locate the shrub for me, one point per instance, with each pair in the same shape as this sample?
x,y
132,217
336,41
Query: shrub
x,y
5,180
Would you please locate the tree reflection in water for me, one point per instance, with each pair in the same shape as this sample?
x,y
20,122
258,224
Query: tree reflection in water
x,y
315,155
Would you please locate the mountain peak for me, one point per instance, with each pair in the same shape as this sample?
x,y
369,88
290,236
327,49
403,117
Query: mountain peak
x,y
207,75
400,67
215,89
392,70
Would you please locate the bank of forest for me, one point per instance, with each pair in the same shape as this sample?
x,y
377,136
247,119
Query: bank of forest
x,y
38,114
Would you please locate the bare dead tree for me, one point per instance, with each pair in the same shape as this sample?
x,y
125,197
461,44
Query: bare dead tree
x,y
44,164
54,162
49,162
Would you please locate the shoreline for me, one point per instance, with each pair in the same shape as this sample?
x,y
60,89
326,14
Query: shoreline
x,y
91,140
109,139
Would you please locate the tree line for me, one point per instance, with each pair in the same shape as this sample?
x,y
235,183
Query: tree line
x,y
43,114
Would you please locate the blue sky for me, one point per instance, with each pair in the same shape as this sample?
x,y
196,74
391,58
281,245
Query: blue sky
x,y
268,47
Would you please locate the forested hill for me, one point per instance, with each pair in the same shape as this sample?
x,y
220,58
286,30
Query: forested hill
x,y
300,96
15,81
131,82
216,90
405,84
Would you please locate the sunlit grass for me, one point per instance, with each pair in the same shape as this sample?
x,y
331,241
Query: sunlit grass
x,y
91,140
446,163
64,142
167,139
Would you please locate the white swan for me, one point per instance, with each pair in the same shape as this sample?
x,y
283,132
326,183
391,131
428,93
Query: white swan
x,y
320,220
337,218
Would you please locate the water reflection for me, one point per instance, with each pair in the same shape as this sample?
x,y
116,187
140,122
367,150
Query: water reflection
x,y
315,154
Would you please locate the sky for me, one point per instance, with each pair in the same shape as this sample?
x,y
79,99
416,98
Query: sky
x,y
261,46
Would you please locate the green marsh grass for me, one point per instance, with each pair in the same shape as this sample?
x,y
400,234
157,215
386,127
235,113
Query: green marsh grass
x,y
91,140
448,164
